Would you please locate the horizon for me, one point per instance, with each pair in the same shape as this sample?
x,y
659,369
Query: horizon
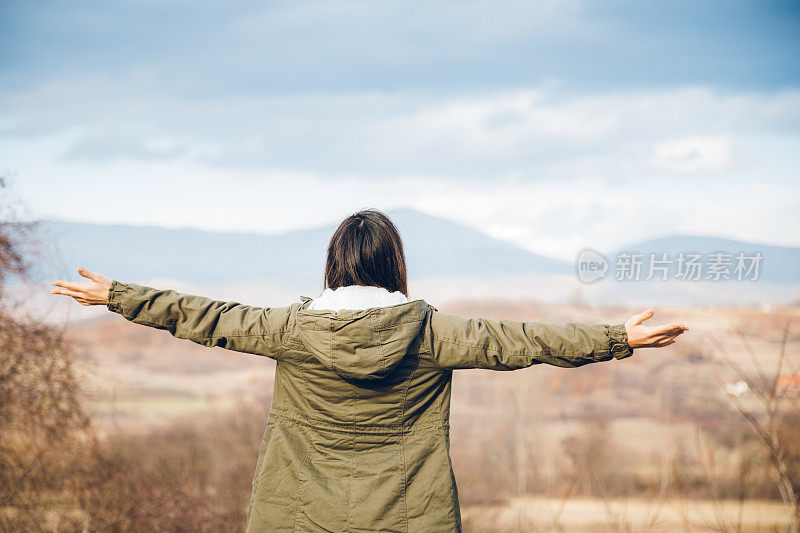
x,y
446,259
332,225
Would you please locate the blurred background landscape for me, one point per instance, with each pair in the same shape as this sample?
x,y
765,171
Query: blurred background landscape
x,y
213,148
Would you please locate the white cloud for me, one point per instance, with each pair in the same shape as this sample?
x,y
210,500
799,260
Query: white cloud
x,y
694,155
535,134
550,172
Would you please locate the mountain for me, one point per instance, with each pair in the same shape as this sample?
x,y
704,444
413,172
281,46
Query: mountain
x,y
446,261
434,247
780,264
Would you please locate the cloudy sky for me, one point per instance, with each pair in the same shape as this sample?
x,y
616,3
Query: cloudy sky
x,y
552,124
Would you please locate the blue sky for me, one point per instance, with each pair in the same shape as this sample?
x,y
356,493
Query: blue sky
x,y
555,125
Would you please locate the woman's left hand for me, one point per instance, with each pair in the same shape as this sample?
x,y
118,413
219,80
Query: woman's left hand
x,y
93,292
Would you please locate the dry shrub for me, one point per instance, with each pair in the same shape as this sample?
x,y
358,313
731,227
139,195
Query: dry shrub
x,y
192,476
56,474
41,420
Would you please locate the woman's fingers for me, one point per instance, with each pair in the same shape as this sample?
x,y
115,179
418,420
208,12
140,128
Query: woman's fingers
x,y
641,317
86,273
664,339
94,292
69,292
70,285
71,289
669,333
669,328
664,343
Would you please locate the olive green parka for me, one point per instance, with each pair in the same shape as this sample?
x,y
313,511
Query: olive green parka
x,y
358,436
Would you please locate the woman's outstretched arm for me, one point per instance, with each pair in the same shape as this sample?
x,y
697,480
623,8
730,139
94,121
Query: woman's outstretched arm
x,y
230,325
459,342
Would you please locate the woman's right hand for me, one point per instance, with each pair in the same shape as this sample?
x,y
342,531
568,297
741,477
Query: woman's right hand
x,y
641,336
93,292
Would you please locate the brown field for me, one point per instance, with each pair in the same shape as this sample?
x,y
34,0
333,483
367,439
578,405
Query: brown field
x,y
649,443
587,515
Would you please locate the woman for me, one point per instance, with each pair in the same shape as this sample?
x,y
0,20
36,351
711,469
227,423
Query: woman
x,y
358,434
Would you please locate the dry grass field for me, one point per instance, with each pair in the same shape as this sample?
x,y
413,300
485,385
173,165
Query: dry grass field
x,y
594,515
648,443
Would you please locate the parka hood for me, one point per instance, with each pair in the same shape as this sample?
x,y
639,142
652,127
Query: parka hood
x,y
361,344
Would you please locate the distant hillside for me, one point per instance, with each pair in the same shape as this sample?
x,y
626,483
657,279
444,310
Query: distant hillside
x,y
780,264
434,247
446,261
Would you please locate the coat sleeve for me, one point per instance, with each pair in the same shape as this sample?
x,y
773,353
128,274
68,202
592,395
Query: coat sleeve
x,y
230,325
458,342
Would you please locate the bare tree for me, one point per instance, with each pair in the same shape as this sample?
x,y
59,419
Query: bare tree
x,y
590,453
774,405
40,413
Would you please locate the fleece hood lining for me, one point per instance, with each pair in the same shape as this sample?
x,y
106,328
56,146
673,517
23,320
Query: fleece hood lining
x,y
356,297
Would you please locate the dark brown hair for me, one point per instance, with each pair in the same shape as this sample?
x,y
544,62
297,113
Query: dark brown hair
x,y
366,249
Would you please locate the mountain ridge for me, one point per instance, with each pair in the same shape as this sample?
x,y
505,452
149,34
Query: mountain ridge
x,y
780,264
435,248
